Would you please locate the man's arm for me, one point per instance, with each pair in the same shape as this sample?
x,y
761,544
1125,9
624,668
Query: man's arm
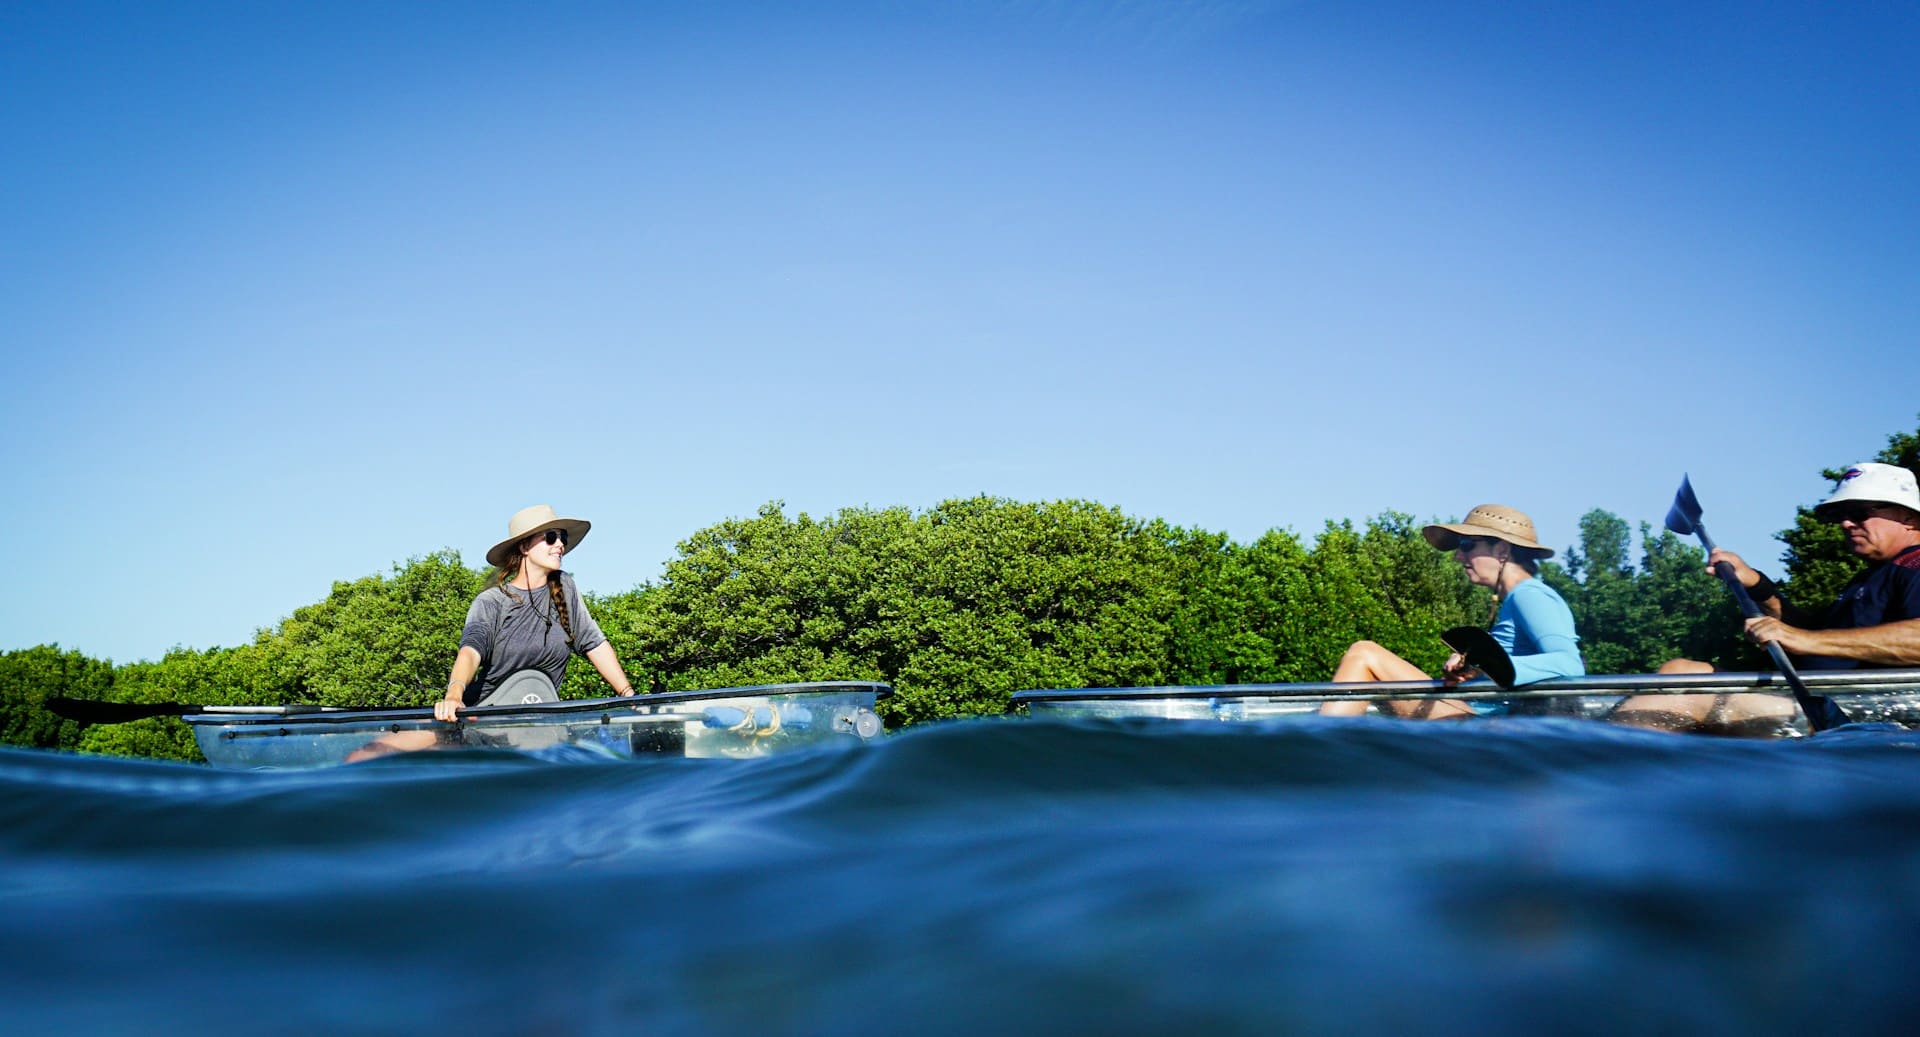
x,y
1759,588
1889,644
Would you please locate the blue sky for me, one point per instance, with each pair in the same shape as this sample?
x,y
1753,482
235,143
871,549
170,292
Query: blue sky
x,y
292,293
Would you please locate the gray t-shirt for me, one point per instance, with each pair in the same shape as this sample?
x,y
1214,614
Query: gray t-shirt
x,y
516,630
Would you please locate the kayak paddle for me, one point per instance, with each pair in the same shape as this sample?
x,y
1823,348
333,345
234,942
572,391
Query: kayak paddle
x,y
1481,651
1684,518
93,711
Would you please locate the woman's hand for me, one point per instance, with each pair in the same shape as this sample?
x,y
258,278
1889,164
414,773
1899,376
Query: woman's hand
x,y
1457,670
466,663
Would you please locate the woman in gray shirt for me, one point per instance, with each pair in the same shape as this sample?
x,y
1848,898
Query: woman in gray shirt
x,y
530,617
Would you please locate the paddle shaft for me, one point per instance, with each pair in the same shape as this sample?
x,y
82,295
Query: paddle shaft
x,y
1816,717
93,711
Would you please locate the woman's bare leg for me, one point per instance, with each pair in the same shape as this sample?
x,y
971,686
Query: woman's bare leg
x,y
1367,661
398,742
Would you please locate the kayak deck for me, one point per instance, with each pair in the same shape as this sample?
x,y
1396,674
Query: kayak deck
x,y
723,722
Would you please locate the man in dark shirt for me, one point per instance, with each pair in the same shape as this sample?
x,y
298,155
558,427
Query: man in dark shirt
x,y
1876,619
1875,622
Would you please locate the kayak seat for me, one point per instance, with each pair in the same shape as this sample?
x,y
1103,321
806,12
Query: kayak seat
x,y
522,688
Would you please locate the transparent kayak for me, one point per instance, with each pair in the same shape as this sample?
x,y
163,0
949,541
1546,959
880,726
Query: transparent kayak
x,y
1734,703
724,722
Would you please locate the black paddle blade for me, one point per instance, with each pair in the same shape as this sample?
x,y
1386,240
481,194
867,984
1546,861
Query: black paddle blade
x,y
1684,516
1480,650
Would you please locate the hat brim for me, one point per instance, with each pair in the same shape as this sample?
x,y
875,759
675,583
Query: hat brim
x,y
1446,537
1824,510
500,553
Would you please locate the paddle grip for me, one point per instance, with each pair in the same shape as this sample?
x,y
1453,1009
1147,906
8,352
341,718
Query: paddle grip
x,y
1747,607
1724,570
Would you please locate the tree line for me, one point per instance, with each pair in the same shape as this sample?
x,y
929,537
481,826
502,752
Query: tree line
x,y
956,607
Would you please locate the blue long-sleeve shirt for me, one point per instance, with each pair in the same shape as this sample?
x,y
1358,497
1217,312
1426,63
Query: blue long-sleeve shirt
x,y
1535,626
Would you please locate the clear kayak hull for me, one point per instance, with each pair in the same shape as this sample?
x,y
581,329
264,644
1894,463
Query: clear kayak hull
x,y
1748,704
724,722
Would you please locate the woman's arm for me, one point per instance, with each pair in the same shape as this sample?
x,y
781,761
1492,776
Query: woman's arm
x,y
587,631
1549,625
465,664
603,660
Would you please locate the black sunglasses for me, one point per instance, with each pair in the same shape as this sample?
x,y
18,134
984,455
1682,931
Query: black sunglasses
x,y
1854,513
1467,545
556,536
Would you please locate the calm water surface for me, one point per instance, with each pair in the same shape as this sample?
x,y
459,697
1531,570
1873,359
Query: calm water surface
x,y
1498,877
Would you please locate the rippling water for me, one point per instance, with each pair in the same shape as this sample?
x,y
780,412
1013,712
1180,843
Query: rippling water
x,y
1509,876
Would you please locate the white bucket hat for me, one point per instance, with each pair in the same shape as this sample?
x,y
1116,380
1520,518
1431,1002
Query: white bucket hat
x,y
1874,482
532,521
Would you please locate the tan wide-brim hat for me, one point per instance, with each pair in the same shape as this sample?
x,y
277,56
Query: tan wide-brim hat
x,y
1488,520
533,521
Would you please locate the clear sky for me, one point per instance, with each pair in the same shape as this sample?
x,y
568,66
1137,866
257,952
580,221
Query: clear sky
x,y
290,293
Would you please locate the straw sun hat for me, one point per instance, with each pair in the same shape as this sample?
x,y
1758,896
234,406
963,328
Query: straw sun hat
x,y
1488,520
533,521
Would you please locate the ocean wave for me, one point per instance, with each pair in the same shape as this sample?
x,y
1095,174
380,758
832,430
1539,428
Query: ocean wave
x,y
1504,876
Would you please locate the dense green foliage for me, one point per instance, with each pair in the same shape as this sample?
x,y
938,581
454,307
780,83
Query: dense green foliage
x,y
1631,620
378,641
956,607
964,604
27,676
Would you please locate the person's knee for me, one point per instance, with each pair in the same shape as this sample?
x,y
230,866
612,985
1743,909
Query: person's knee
x,y
1360,650
1685,666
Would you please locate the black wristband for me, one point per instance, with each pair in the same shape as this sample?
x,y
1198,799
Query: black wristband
x,y
1764,589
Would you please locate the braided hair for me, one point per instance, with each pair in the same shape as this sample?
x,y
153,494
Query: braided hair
x,y
559,599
